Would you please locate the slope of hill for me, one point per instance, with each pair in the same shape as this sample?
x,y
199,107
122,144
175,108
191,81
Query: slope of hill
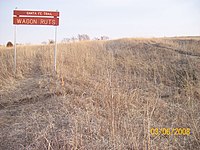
x,y
105,95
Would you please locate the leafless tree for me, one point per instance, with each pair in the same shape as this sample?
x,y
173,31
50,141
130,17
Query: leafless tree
x,y
51,42
66,40
83,37
104,38
74,39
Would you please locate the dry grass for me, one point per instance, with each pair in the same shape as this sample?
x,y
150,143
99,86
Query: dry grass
x,y
105,95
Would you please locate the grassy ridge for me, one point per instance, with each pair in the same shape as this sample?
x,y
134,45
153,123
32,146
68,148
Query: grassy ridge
x,y
105,95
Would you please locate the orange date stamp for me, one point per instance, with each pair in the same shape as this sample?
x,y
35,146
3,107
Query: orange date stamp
x,y
170,131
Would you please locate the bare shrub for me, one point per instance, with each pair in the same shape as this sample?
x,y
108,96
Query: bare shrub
x,y
9,44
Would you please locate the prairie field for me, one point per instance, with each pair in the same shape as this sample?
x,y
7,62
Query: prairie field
x,y
104,95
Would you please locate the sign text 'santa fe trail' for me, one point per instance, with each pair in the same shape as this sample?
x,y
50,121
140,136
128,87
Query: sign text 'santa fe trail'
x,y
22,17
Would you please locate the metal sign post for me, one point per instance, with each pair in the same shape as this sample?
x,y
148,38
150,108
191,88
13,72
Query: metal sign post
x,y
24,17
15,49
55,50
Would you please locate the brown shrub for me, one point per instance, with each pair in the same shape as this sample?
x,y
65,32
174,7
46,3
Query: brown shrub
x,y
9,44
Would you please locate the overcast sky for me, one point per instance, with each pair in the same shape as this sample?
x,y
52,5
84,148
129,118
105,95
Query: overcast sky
x,y
114,18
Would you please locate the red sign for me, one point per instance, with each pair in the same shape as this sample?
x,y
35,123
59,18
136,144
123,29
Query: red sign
x,y
36,13
38,20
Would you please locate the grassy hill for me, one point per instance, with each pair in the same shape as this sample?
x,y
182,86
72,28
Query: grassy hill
x,y
105,95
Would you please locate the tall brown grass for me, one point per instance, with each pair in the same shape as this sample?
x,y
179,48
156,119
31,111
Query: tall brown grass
x,y
107,94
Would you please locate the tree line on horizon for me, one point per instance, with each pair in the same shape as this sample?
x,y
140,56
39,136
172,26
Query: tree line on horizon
x,y
80,37
83,37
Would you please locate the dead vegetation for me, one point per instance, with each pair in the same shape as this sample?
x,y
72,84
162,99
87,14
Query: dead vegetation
x,y
105,95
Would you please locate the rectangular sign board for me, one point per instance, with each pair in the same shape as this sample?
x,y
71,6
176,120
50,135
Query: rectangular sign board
x,y
35,13
24,17
35,21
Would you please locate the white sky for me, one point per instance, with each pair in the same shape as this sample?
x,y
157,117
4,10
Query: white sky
x,y
113,18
